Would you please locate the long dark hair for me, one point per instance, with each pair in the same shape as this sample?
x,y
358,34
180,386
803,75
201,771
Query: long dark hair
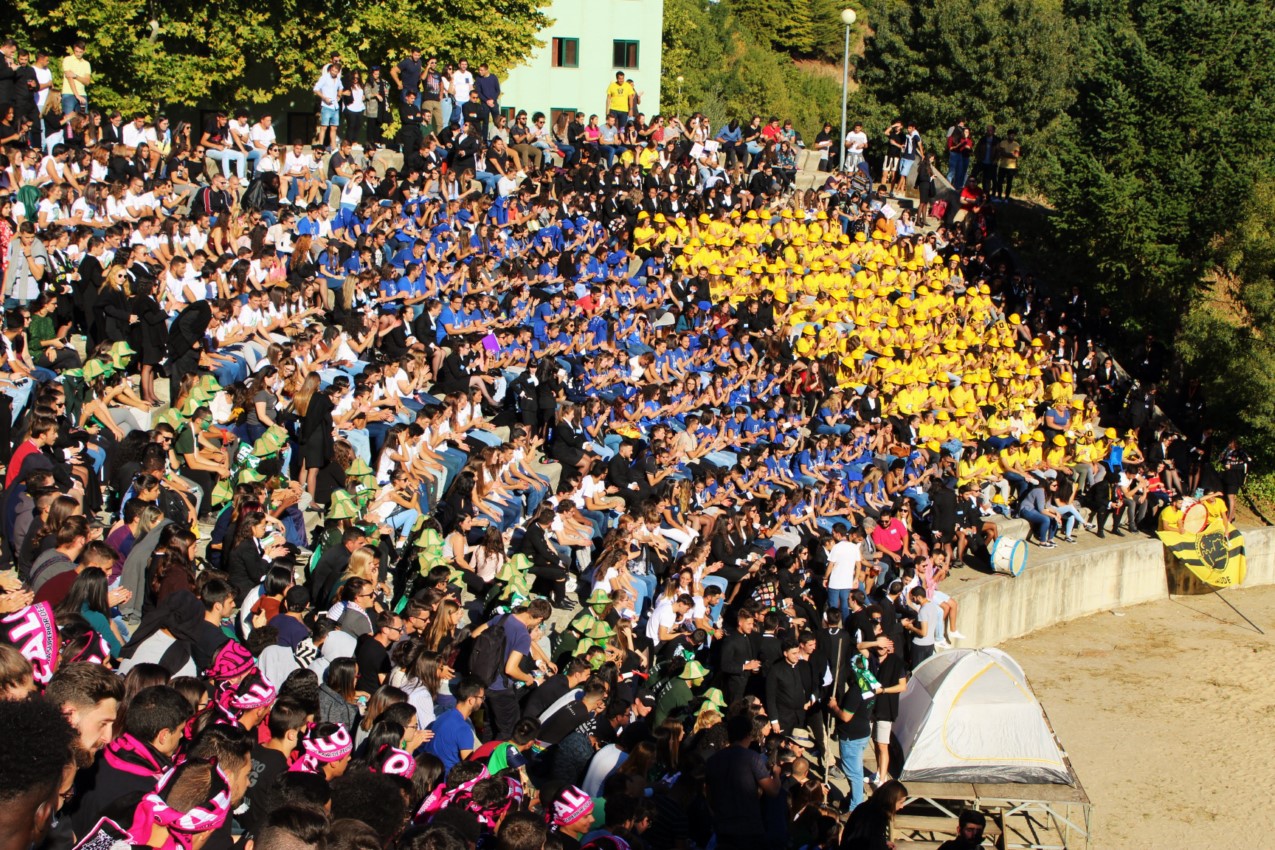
x,y
89,588
340,677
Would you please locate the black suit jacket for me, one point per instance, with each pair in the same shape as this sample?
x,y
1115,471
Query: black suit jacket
x,y
788,689
536,546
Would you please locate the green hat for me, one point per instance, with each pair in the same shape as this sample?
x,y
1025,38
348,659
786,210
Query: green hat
x,y
599,597
601,631
582,623
713,698
93,369
430,542
515,566
191,404
264,447
583,646
519,586
223,492
249,476
693,670
120,352
358,468
208,383
342,506
172,418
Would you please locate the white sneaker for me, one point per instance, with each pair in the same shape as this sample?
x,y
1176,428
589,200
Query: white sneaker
x,y
955,634
942,643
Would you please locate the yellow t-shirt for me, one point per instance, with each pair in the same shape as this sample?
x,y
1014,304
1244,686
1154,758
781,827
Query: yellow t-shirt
x,y
618,96
79,67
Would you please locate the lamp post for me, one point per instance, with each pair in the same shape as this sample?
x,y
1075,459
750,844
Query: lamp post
x,y
848,17
680,78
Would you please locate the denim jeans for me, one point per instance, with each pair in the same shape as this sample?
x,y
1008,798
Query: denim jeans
x,y
852,766
840,599
1045,526
226,158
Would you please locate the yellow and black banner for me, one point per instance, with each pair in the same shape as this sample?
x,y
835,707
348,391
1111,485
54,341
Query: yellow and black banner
x,y
1215,556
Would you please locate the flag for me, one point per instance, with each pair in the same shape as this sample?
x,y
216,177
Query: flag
x,y
1215,555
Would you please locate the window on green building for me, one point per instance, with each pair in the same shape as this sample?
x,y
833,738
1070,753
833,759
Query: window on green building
x,y
625,54
566,53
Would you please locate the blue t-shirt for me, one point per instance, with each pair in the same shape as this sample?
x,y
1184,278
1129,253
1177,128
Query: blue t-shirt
x,y
517,639
452,733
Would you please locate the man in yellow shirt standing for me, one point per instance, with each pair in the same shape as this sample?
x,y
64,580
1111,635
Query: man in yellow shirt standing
x,y
77,73
620,95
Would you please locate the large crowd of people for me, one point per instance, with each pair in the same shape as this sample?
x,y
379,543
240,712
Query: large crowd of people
x,y
581,485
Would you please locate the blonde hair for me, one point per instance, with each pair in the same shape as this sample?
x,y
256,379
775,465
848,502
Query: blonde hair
x,y
707,718
362,565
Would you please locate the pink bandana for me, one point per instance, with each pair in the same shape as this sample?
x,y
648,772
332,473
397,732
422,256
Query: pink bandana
x,y
320,751
182,826
232,660
394,762
34,632
571,805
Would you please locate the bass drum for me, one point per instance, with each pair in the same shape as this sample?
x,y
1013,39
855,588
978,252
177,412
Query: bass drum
x,y
1009,556
1195,519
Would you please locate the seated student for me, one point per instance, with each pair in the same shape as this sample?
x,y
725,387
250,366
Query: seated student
x,y
154,722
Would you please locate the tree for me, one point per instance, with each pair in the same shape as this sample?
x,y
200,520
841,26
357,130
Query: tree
x,y
996,61
1171,128
1227,340
188,53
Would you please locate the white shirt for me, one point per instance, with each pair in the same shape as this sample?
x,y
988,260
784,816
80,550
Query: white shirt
x,y
329,88
356,99
295,163
843,560
856,142
262,137
663,615
462,85
132,136
239,130
43,76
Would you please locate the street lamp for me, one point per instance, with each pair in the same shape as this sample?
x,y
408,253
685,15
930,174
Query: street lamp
x,y
680,78
848,17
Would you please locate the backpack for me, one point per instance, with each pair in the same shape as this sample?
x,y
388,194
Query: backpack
x,y
487,658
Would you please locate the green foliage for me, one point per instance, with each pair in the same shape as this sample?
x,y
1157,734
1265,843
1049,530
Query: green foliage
x,y
238,51
1004,62
1171,126
1226,337
728,72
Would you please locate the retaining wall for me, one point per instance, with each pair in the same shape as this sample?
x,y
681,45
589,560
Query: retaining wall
x,y
1114,576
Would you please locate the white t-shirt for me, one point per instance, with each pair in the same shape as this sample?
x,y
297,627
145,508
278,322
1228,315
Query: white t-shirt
x,y
240,131
932,616
132,136
357,100
462,85
856,142
43,76
663,615
843,560
262,137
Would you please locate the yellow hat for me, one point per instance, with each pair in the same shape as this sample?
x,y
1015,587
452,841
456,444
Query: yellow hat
x,y
1036,343
704,219
1060,440
1014,319
1110,433
1037,437
752,215
659,217
643,214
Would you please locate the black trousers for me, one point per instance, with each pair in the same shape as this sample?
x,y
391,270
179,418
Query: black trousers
x,y
503,713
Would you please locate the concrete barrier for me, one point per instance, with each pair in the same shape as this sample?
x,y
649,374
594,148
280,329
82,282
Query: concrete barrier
x,y
1069,586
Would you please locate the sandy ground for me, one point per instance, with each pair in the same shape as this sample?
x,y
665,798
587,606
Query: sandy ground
x,y
1167,711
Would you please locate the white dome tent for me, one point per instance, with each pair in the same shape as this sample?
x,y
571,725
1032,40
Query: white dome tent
x,y
968,715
